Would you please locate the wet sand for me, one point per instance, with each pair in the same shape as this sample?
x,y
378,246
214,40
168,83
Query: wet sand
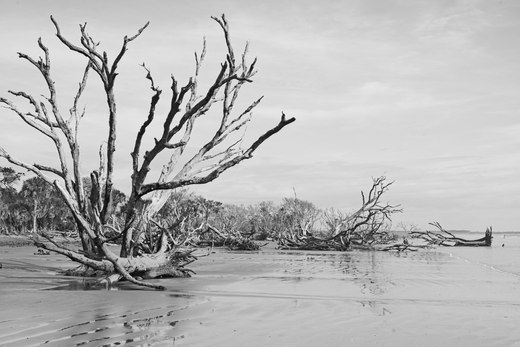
x,y
443,297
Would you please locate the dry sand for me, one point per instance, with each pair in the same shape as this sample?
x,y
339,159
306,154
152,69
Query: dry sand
x,y
443,297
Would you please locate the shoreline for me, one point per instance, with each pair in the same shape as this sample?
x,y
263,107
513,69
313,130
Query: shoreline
x,y
15,241
26,240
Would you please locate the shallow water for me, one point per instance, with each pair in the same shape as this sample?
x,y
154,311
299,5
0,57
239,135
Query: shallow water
x,y
443,297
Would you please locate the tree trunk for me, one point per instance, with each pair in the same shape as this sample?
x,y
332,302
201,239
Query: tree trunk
x,y
446,238
35,209
87,244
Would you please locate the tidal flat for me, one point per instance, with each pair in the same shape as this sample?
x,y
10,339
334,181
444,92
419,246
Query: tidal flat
x,y
433,297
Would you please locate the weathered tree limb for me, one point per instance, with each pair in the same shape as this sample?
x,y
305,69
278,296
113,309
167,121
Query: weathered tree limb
x,y
445,238
73,255
147,188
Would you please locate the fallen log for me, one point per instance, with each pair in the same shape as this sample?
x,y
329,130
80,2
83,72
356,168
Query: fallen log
x,y
442,237
233,241
316,244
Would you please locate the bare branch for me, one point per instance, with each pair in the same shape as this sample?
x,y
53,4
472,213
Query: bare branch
x,y
147,188
102,265
246,112
124,48
283,122
81,88
49,169
142,129
225,27
29,119
175,145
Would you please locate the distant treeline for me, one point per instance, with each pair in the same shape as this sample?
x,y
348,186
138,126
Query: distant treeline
x,y
33,204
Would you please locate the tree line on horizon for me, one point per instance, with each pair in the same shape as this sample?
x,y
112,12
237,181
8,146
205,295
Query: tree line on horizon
x,y
36,206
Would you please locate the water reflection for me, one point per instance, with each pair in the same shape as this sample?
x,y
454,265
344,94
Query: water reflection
x,y
366,269
108,326
84,284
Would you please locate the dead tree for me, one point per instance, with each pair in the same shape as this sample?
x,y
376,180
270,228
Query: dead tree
x,y
188,103
362,229
443,237
234,241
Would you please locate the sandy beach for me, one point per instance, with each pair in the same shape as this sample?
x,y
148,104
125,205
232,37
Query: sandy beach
x,y
439,297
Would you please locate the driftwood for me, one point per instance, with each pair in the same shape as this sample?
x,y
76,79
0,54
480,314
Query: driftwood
x,y
442,237
234,242
310,243
361,229
383,244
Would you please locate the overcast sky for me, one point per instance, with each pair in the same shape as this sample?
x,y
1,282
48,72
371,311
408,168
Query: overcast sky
x,y
426,93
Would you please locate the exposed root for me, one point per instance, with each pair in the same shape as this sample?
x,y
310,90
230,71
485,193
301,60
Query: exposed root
x,y
162,264
131,279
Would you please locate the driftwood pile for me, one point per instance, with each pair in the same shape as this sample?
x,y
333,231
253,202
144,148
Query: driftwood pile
x,y
341,242
233,241
362,229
